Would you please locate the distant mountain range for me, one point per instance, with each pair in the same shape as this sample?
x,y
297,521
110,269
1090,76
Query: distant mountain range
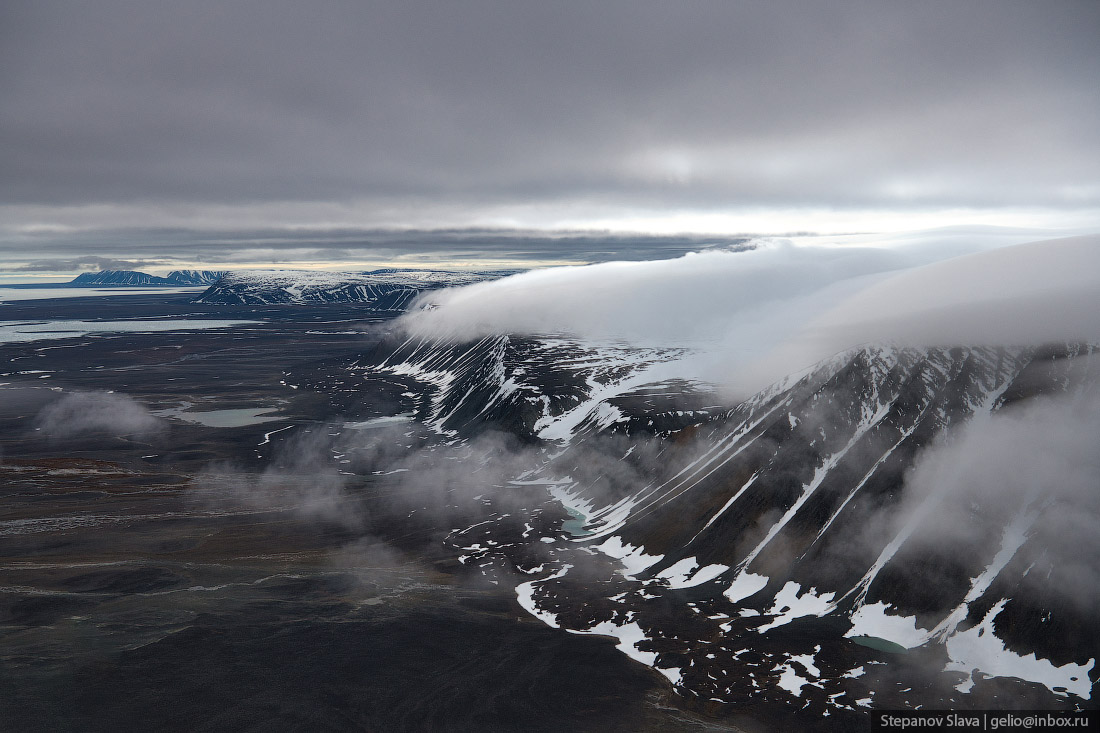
x,y
387,289
131,278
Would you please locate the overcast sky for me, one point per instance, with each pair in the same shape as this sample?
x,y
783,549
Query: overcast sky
x,y
276,132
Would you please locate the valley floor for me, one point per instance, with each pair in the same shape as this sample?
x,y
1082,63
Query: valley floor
x,y
181,578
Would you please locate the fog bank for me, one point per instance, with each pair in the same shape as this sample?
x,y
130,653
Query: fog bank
x,y
755,316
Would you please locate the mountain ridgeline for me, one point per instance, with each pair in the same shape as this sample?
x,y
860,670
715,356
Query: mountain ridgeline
x,y
890,528
132,278
895,527
390,290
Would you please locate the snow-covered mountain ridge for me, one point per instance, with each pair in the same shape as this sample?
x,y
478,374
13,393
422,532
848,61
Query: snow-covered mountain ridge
x,y
906,519
771,550
385,289
140,279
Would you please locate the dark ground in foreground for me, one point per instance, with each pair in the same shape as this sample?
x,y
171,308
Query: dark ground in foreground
x,y
132,600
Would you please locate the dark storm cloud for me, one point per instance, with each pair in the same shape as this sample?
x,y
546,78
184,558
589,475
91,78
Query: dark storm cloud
x,y
643,104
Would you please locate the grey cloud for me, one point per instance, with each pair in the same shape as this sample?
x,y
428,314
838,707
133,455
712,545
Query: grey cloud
x,y
445,481
85,263
430,479
85,413
649,105
302,479
108,249
1034,462
372,561
1028,294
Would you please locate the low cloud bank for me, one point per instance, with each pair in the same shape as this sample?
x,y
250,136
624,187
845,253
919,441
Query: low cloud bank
x,y
756,316
683,300
302,479
85,413
1041,454
1020,483
1024,294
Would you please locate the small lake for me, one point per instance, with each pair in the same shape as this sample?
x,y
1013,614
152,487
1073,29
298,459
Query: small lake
x,y
233,418
575,525
380,422
8,293
25,331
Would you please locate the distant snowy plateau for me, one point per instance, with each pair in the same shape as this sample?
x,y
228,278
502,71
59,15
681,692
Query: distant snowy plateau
x,y
131,278
894,527
385,290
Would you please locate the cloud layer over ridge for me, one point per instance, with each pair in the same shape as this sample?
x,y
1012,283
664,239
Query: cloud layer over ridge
x,y
756,316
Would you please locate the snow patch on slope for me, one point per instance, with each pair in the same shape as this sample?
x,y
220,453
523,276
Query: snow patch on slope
x,y
634,559
979,649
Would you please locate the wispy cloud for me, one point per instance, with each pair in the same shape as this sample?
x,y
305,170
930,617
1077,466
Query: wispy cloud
x,y
90,262
88,413
1031,467
302,479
